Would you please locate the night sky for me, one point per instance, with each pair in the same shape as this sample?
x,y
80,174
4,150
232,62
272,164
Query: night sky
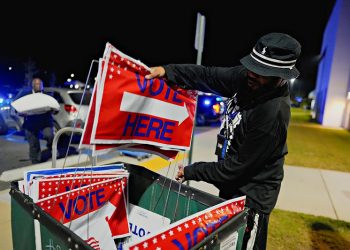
x,y
64,38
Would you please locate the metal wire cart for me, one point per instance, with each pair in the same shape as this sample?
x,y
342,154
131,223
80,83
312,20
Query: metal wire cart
x,y
147,189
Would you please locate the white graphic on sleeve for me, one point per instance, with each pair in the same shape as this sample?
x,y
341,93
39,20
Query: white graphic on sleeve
x,y
232,120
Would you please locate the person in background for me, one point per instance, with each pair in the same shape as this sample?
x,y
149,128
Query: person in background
x,y
39,123
251,145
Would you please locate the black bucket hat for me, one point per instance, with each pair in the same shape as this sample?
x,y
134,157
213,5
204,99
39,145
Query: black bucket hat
x,y
274,54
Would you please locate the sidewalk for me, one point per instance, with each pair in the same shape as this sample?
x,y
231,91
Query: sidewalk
x,y
305,190
5,220
317,192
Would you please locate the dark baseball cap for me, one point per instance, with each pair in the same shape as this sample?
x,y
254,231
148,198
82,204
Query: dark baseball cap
x,y
274,54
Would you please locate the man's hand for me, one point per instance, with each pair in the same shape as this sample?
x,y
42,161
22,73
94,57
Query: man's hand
x,y
156,72
180,176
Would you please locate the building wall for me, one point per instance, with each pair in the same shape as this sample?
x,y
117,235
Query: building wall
x,y
325,65
334,70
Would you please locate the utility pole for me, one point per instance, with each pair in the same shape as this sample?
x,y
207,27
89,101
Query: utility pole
x,y
199,39
198,45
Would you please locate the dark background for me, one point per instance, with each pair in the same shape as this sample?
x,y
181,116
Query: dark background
x,y
61,38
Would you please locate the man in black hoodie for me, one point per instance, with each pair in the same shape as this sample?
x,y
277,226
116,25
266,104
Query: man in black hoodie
x,y
251,144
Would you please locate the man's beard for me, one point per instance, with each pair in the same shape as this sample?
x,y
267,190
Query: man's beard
x,y
257,89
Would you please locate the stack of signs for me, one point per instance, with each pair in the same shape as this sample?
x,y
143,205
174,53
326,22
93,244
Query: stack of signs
x,y
91,201
128,111
36,103
190,231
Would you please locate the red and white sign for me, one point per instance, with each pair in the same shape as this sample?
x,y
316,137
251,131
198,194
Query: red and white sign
x,y
101,203
31,175
132,109
188,232
46,187
105,148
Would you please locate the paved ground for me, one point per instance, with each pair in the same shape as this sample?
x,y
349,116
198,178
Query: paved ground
x,y
13,152
305,190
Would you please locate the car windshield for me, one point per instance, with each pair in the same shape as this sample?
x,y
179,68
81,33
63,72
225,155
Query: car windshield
x,y
76,97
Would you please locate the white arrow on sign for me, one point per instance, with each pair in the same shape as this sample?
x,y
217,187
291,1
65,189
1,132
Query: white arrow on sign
x,y
150,106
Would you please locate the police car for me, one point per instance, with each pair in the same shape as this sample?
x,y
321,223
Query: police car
x,y
210,109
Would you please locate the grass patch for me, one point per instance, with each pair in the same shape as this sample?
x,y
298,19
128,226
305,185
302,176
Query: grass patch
x,y
299,115
311,145
290,230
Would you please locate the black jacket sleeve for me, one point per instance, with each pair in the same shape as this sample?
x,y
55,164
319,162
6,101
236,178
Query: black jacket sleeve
x,y
223,81
264,137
